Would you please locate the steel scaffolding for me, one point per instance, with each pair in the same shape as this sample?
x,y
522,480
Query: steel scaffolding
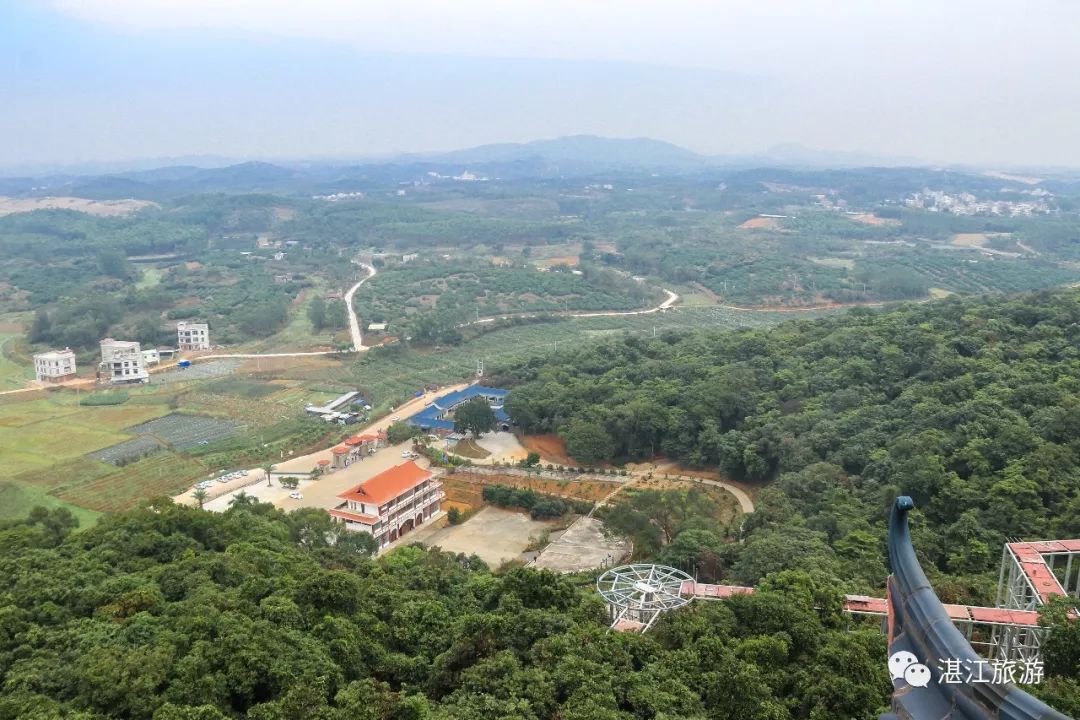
x,y
1031,575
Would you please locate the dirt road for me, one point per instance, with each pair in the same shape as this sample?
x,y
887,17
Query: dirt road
x,y
354,321
671,299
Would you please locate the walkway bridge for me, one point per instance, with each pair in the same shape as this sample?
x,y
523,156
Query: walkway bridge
x,y
919,625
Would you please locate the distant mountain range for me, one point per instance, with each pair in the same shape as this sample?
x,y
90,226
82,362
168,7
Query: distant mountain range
x,y
579,156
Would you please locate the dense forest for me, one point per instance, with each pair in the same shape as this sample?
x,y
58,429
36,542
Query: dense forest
x,y
172,613
971,407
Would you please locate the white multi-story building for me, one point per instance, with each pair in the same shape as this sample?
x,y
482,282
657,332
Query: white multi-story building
x,y
122,361
193,336
55,365
392,503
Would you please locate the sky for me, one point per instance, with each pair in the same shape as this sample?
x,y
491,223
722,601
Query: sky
x,y
991,83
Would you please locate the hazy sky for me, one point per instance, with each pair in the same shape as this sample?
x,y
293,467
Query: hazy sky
x,y
991,82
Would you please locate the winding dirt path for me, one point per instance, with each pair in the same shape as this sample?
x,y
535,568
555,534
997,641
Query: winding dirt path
x,y
671,299
354,321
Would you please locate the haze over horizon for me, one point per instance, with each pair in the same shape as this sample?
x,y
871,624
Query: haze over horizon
x,y
982,83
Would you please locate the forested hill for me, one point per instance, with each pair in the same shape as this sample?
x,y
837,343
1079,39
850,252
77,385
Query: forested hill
x,y
970,406
173,613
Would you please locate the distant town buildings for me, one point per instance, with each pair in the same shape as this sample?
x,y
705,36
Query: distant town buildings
x,y
192,335
965,203
151,357
409,257
335,197
122,361
392,503
55,365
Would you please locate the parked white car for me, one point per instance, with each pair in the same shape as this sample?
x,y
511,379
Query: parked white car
x,y
296,496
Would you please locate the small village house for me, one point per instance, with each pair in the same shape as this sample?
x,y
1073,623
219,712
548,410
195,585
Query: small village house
x,y
55,365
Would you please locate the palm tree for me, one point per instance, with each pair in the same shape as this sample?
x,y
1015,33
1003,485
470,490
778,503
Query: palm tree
x,y
200,496
266,469
242,499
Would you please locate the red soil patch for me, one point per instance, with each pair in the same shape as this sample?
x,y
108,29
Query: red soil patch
x,y
590,490
870,219
551,447
761,223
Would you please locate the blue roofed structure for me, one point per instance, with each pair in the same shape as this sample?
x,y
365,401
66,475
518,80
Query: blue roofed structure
x,y
434,416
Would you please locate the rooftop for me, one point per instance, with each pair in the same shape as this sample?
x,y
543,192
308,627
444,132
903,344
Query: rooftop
x,y
55,354
388,484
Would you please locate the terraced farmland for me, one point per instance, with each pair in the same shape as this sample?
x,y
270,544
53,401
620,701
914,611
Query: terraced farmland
x,y
163,473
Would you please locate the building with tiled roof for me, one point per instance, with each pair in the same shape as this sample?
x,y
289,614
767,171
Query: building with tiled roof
x,y
438,416
391,503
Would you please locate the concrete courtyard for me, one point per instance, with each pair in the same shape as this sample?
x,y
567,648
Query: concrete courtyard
x,y
583,546
493,534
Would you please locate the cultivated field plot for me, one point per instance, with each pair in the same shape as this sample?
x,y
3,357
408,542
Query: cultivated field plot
x,y
128,451
243,388
187,431
163,473
198,371
17,499
40,444
391,373
66,474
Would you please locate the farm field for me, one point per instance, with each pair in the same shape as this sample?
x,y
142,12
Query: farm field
x,y
395,372
13,375
48,436
163,473
17,499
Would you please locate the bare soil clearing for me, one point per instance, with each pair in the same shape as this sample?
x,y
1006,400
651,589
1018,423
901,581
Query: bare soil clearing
x,y
104,208
871,219
552,449
761,223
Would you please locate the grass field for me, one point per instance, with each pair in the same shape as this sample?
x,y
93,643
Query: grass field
x,y
17,499
13,375
151,276
36,435
468,448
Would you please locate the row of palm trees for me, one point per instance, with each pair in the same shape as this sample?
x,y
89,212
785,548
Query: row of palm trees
x,y
201,496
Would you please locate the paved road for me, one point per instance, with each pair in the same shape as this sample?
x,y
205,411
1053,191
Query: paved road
x,y
671,299
301,466
354,322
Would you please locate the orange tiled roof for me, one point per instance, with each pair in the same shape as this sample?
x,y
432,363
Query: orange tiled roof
x,y
355,516
340,450
353,441
388,484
